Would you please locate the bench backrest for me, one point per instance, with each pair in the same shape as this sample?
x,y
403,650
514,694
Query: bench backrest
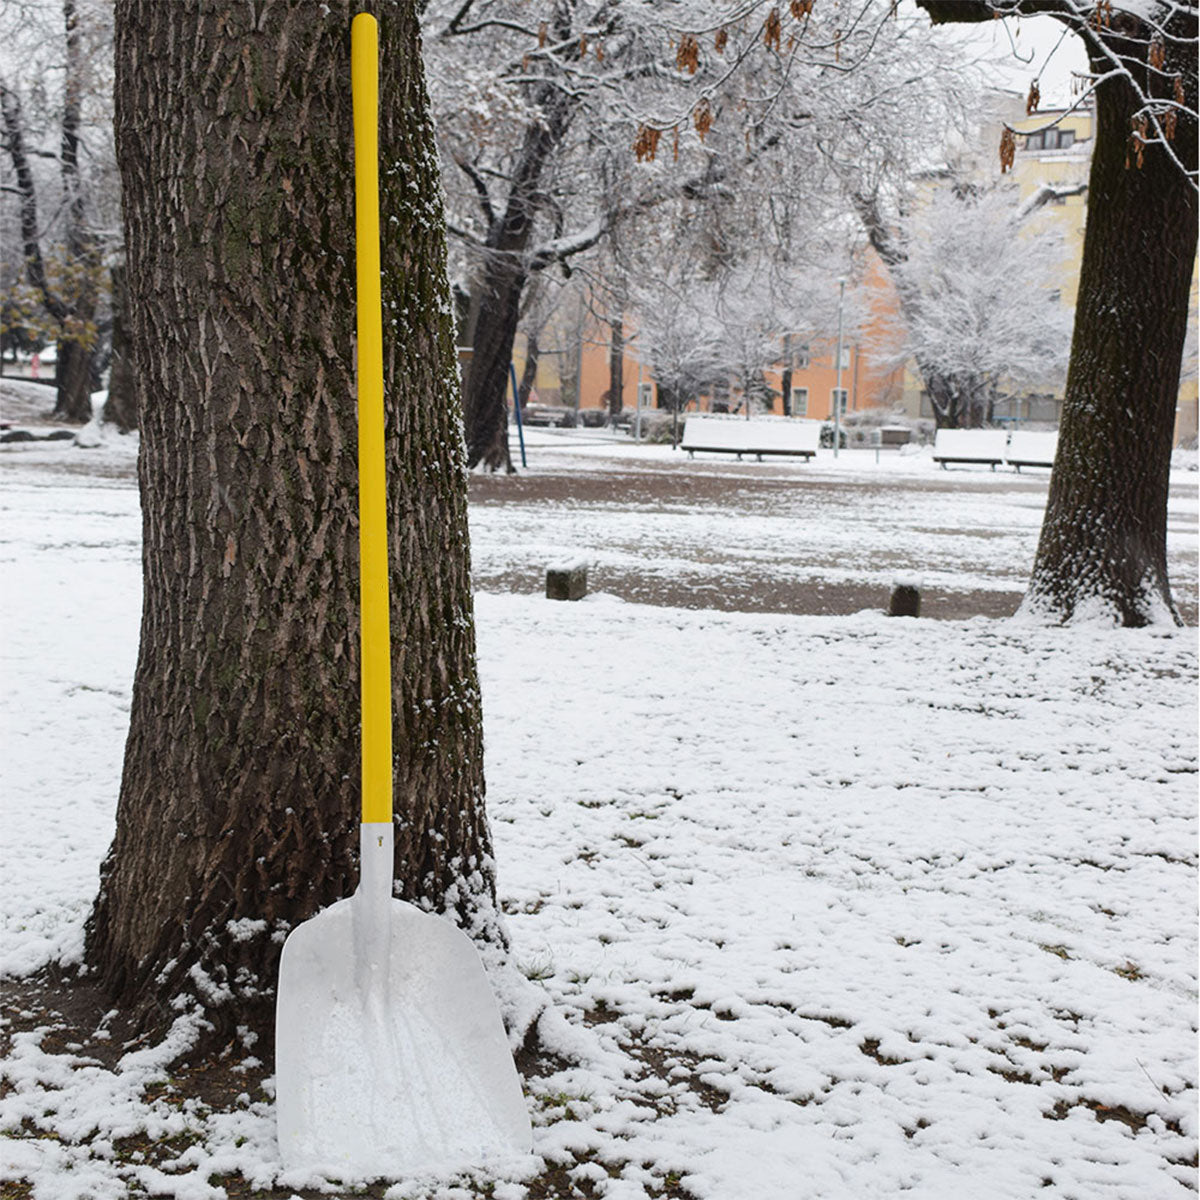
x,y
1031,446
971,445
715,433
750,437
793,434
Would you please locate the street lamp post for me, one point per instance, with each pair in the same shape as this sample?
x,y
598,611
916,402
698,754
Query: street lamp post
x,y
837,395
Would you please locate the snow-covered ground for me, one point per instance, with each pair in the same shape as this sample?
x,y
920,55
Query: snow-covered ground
x,y
824,907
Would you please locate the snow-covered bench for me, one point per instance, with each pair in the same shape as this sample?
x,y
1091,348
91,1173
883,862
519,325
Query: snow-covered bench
x,y
1029,448
736,435
970,446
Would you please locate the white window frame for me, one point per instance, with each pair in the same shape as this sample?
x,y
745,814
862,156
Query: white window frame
x,y
833,399
645,395
799,402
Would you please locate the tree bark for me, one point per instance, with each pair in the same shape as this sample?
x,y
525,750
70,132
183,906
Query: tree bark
x,y
533,353
239,801
1104,538
1102,550
496,297
616,368
121,408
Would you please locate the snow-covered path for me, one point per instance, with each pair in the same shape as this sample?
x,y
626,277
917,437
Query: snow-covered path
x,y
826,908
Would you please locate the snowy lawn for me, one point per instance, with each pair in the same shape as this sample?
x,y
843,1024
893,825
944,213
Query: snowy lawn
x,y
823,907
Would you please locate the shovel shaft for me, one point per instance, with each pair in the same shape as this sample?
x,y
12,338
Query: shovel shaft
x,y
372,487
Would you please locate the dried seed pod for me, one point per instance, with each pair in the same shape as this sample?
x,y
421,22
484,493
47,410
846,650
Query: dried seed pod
x,y
837,45
1171,116
1033,99
543,33
583,46
599,52
802,9
1135,155
773,30
645,146
675,144
1158,52
687,56
1008,150
702,118
721,41
1102,17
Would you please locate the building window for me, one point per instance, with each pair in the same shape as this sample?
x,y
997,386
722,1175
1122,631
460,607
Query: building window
x,y
802,357
845,358
799,402
1050,139
838,398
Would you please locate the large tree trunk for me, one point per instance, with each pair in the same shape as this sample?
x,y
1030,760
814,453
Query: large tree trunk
x,y
73,380
1103,544
240,796
1102,551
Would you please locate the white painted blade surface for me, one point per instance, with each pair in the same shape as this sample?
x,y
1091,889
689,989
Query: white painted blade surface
x,y
384,1068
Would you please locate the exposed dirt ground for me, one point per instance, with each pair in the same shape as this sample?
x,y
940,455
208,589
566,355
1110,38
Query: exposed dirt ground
x,y
743,587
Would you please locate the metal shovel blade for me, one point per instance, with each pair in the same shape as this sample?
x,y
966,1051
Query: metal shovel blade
x,y
391,1060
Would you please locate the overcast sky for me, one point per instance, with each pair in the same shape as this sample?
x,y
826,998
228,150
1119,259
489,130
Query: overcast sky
x,y
1034,40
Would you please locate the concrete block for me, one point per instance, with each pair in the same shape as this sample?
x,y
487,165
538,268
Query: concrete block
x,y
568,581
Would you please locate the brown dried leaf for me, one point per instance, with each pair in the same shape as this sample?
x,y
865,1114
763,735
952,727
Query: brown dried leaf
x,y
645,146
687,56
802,9
1158,52
1135,155
1033,99
1008,150
773,30
543,34
702,118
721,41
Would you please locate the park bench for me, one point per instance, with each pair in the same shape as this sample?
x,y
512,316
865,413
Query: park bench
x,y
1029,448
736,435
986,446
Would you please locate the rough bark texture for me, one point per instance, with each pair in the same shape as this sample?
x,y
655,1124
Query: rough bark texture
x,y
1102,551
121,408
240,796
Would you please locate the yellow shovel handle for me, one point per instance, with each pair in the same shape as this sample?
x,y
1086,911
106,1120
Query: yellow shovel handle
x,y
372,482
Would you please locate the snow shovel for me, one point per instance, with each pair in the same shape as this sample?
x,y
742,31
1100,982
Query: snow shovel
x,y
390,1056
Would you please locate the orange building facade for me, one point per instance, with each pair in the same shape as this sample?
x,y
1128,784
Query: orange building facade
x,y
573,368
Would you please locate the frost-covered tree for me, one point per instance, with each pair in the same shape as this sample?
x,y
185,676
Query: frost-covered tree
x,y
610,109
1102,551
979,307
65,214
239,801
